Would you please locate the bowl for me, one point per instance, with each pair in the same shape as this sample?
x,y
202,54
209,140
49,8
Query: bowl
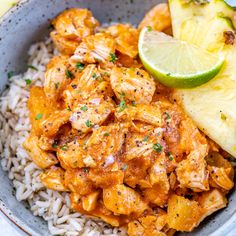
x,y
29,22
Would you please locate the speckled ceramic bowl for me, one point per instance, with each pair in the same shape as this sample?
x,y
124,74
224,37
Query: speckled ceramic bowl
x,y
29,22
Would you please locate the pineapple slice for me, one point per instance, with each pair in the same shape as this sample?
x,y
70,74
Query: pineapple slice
x,y
184,10
212,105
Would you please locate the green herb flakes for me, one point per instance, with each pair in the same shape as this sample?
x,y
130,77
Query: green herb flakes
x,y
80,66
171,158
28,81
32,67
122,106
125,167
39,116
10,74
157,147
146,138
57,84
84,108
54,145
64,148
88,123
69,74
167,116
106,134
149,28
113,57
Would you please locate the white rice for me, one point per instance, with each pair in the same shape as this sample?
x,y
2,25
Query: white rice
x,y
53,206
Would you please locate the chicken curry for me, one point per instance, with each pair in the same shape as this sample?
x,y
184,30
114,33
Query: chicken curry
x,y
117,141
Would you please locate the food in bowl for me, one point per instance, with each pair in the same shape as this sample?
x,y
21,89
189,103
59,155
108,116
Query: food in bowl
x,y
96,136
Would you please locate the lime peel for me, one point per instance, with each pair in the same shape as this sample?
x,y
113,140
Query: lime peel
x,y
176,63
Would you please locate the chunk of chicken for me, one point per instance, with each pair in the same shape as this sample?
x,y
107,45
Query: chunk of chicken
x,y
211,202
148,225
72,155
136,172
39,109
94,48
133,85
192,172
64,45
76,180
106,142
75,23
142,144
158,194
217,160
55,77
88,115
158,18
123,200
106,178
126,39
41,158
142,112
183,214
100,211
53,178
52,124
191,138
47,144
221,177
89,84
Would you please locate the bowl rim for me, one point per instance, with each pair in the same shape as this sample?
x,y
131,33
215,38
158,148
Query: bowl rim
x,y
227,228
23,227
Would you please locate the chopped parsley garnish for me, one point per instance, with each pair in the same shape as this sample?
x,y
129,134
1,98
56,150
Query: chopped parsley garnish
x,y
124,167
146,138
54,145
88,123
113,57
68,109
122,106
133,103
157,147
84,108
105,73
32,67
64,148
10,74
106,134
167,116
95,76
149,28
69,74
39,116
28,81
57,84
80,66
86,169
171,158
122,94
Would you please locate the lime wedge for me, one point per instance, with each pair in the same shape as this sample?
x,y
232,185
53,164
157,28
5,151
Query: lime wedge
x,y
176,63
